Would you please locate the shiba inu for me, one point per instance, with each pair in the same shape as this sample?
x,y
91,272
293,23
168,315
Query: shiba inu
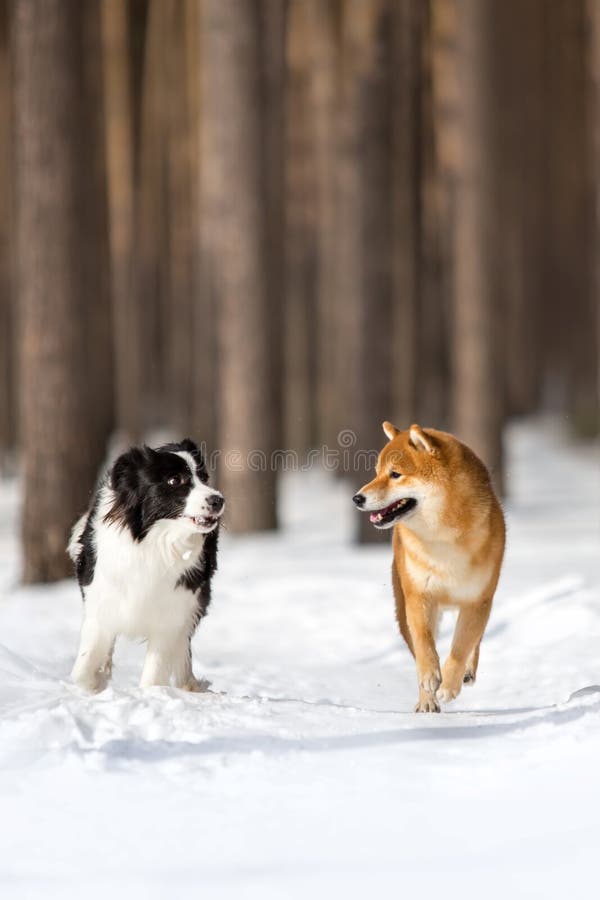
x,y
448,544
145,554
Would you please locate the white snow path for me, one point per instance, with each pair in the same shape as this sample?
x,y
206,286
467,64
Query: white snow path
x,y
304,769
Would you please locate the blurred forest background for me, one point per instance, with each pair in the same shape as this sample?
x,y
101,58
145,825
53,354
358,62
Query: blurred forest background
x,y
261,223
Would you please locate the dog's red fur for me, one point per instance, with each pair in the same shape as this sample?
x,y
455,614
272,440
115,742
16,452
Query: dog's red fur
x,y
447,551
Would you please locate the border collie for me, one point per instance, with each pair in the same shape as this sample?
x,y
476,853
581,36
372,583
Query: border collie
x,y
144,554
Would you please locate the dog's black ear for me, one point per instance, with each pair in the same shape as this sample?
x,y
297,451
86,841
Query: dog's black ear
x,y
190,446
126,479
125,471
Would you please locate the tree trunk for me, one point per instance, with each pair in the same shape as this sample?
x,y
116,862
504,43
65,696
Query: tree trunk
x,y
588,396
573,206
325,18
8,431
570,346
120,164
95,250
56,205
300,328
236,202
406,173
477,386
182,214
432,364
520,190
364,262
150,257
273,29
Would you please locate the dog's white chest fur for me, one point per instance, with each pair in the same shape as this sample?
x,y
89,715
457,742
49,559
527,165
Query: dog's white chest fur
x,y
448,571
134,588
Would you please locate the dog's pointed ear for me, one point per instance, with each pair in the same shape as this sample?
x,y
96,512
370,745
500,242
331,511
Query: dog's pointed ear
x,y
390,430
420,440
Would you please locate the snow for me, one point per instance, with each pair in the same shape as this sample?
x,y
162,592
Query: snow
x,y
304,770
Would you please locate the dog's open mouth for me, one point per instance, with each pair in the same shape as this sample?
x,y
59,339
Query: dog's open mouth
x,y
383,518
206,523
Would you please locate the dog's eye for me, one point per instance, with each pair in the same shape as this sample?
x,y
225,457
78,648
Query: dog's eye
x,y
175,481
395,474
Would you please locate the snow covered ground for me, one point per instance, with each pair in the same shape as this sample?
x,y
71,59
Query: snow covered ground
x,y
304,771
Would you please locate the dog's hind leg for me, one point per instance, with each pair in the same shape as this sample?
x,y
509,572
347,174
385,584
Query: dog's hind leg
x,y
401,608
93,666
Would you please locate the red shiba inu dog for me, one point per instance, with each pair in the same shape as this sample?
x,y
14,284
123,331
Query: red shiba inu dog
x,y
448,546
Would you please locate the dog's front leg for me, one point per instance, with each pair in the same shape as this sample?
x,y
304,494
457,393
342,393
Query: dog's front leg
x,y
166,657
470,626
159,661
422,616
184,676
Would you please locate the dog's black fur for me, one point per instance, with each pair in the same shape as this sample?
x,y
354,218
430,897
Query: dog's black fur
x,y
142,497
139,479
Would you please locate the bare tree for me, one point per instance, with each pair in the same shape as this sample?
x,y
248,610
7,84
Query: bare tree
x,y
477,385
119,136
324,30
57,206
406,219
587,402
300,252
364,262
432,365
520,182
182,215
236,200
8,434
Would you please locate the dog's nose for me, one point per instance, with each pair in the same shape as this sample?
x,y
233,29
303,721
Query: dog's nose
x,y
359,499
215,502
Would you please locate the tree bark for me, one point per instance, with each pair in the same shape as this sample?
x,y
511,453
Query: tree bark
x,y
477,385
432,363
8,430
237,203
364,262
300,330
182,216
150,253
57,207
324,23
95,249
588,396
520,192
120,164
406,219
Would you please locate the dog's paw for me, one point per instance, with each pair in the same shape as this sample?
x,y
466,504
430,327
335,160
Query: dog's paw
x,y
445,694
196,685
92,684
430,681
427,704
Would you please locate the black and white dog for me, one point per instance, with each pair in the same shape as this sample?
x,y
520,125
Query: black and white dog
x,y
144,554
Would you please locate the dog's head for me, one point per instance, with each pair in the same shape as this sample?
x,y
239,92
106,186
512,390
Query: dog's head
x,y
170,482
412,470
